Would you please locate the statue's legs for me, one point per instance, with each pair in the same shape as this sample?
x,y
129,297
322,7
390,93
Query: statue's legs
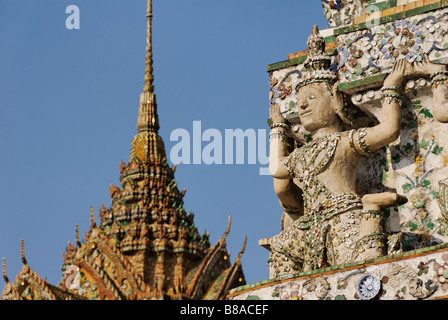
x,y
345,237
350,236
286,252
324,243
356,235
342,236
372,239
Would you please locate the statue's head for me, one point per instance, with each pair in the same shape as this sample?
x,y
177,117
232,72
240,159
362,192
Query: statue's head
x,y
319,101
318,106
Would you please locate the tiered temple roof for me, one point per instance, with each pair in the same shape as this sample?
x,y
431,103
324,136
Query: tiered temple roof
x,y
146,246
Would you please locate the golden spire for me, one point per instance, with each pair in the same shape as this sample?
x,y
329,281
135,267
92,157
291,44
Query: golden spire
x,y
148,120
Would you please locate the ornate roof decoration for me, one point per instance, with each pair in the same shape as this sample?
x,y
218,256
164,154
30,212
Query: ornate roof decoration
x,y
145,246
29,286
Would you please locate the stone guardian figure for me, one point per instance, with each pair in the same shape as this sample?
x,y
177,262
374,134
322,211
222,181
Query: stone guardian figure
x,y
334,225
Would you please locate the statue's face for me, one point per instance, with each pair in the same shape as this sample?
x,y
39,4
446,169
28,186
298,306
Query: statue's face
x,y
315,107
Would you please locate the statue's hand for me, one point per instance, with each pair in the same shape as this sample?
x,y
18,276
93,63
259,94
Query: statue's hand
x,y
275,114
426,68
400,70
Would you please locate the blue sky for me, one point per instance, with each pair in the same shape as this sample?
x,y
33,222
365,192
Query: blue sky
x,y
69,104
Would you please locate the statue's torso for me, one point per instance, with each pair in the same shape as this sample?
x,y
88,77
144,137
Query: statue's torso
x,y
325,170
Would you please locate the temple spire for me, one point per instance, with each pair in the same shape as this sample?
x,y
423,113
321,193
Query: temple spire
x,y
148,120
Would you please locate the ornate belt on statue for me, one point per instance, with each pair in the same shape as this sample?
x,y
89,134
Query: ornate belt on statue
x,y
329,208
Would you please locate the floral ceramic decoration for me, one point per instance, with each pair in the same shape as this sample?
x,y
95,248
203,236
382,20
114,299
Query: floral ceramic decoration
x,y
441,273
283,91
375,51
366,53
418,162
368,287
341,12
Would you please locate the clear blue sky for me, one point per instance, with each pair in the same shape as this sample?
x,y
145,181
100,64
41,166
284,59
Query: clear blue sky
x,y
69,104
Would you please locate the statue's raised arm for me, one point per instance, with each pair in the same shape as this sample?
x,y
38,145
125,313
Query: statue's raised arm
x,y
439,78
366,140
278,144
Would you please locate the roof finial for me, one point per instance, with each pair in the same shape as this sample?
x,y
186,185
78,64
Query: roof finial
x,y
147,118
228,226
77,235
22,252
226,233
4,271
149,77
243,248
92,217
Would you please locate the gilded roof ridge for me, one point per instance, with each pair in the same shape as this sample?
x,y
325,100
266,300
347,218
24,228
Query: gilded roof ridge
x,y
207,262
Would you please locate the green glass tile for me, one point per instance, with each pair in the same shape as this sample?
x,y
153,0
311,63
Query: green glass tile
x,y
343,86
362,82
278,65
351,264
433,6
398,255
414,12
330,39
292,115
331,268
388,257
399,15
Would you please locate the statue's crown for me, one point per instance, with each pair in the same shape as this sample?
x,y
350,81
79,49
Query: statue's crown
x,y
318,62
